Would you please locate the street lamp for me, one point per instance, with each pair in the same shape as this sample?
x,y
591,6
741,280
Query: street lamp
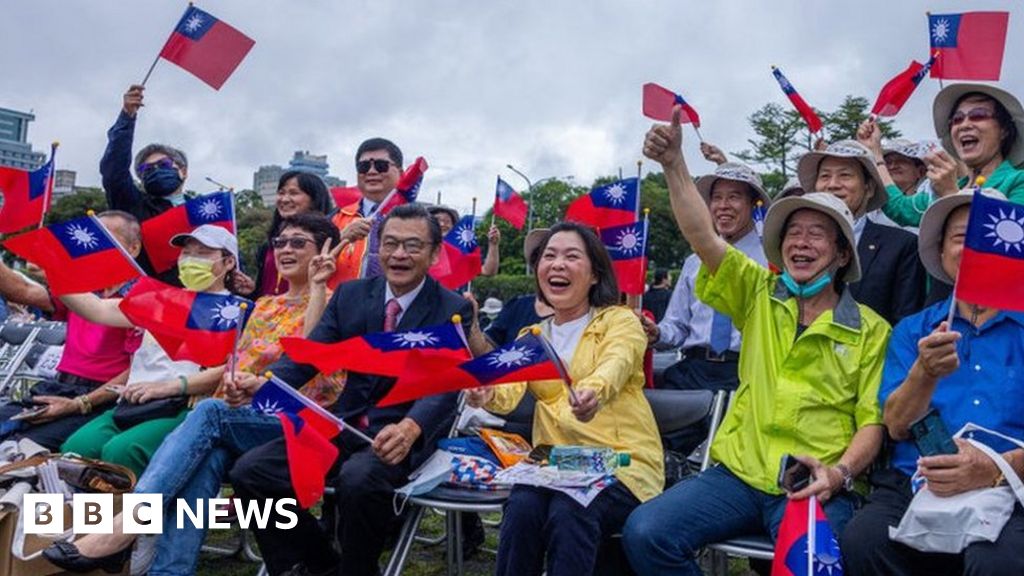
x,y
530,186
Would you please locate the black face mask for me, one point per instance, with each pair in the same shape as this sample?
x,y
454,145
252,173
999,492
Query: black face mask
x,y
162,181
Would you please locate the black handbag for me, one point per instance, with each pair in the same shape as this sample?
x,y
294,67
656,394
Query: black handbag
x,y
127,415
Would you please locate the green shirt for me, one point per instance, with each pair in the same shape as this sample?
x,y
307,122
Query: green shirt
x,y
907,210
801,396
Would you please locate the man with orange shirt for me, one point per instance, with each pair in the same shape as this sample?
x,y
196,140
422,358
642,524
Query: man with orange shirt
x,y
378,168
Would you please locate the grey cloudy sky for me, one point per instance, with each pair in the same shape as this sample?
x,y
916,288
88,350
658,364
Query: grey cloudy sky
x,y
551,87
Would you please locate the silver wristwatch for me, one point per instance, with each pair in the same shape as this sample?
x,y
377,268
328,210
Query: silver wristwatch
x,y
847,476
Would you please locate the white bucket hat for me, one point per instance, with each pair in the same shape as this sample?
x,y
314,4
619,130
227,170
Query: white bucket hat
x,y
945,103
792,188
491,306
210,236
822,202
909,148
736,172
807,168
929,239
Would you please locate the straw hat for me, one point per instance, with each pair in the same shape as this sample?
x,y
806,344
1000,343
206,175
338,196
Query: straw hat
x,y
945,103
807,168
533,240
736,172
929,239
792,188
822,202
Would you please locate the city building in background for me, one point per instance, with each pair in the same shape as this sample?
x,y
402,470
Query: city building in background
x,y
15,150
264,180
63,183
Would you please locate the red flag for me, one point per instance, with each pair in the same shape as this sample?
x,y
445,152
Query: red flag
x,y
509,205
806,545
992,262
612,204
308,430
805,110
196,326
970,45
346,195
521,360
78,256
897,91
26,196
206,47
380,353
627,246
216,208
659,101
460,256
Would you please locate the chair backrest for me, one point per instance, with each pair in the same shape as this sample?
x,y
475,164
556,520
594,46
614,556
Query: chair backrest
x,y
677,409
53,333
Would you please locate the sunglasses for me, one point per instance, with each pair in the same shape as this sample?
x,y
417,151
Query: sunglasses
x,y
296,242
147,166
380,165
974,115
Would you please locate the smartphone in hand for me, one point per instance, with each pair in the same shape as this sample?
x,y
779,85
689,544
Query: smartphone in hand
x,y
794,475
29,413
931,436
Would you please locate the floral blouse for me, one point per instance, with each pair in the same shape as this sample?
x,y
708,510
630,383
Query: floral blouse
x,y
273,318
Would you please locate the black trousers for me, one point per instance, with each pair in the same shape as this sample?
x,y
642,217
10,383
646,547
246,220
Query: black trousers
x,y
364,491
867,549
699,374
52,434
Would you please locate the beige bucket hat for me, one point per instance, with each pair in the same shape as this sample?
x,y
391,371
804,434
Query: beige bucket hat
x,y
807,168
929,239
946,100
737,172
822,202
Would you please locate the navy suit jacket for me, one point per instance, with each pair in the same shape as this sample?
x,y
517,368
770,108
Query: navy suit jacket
x,y
892,281
357,308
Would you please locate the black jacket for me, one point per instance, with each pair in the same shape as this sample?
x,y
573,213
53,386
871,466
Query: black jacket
x,y
892,278
357,308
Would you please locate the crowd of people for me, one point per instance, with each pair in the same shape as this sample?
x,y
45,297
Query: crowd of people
x,y
822,310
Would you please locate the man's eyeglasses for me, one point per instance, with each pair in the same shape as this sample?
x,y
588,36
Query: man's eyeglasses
x,y
413,246
974,115
380,165
296,242
145,167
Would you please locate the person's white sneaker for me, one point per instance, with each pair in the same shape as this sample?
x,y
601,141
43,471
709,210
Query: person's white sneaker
x,y
143,554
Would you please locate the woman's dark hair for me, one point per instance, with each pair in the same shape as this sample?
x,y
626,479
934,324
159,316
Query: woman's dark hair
x,y
318,225
606,291
231,278
313,186
1002,115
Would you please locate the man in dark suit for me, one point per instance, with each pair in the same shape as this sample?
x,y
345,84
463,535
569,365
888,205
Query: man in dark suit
x,y
892,278
404,298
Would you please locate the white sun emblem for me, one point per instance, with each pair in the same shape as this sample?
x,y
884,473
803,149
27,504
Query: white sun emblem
x,y
268,407
194,23
83,236
415,339
466,236
616,193
514,356
940,30
629,241
227,313
826,562
209,209
1007,230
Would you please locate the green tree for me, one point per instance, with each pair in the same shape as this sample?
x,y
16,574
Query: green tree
x,y
248,199
77,204
842,124
253,226
780,138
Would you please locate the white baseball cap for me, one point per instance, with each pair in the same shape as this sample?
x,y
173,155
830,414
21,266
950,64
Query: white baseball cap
x,y
210,236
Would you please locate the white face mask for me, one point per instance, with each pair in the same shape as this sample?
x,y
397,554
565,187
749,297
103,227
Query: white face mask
x,y
431,474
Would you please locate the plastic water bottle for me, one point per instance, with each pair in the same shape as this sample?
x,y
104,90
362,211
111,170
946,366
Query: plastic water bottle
x,y
588,459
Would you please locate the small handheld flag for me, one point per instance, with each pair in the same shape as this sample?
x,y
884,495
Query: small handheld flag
x,y
461,262
658,102
612,204
897,91
205,46
627,246
806,112
26,195
970,45
78,256
509,205
216,208
806,544
992,262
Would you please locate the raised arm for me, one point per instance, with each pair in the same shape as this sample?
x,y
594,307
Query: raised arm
x,y
493,259
115,166
16,289
664,145
97,310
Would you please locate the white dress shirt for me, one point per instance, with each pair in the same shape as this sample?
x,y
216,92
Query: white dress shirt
x,y
404,300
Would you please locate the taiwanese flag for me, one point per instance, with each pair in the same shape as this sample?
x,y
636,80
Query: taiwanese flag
x,y
345,195
380,353
196,326
992,263
26,196
613,204
206,47
808,113
804,529
78,256
521,360
627,245
461,261
216,208
897,91
509,205
970,45
406,191
308,430
658,103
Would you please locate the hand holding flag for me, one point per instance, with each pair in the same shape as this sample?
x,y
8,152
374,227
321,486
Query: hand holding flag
x,y
664,143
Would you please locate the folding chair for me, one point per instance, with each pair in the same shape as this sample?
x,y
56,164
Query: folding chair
x,y
39,361
17,338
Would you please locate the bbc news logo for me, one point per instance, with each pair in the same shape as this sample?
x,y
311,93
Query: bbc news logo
x,y
144,513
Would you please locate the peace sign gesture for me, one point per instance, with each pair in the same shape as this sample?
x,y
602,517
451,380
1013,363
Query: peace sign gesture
x,y
323,265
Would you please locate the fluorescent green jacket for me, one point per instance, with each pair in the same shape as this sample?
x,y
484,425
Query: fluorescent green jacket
x,y
801,396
